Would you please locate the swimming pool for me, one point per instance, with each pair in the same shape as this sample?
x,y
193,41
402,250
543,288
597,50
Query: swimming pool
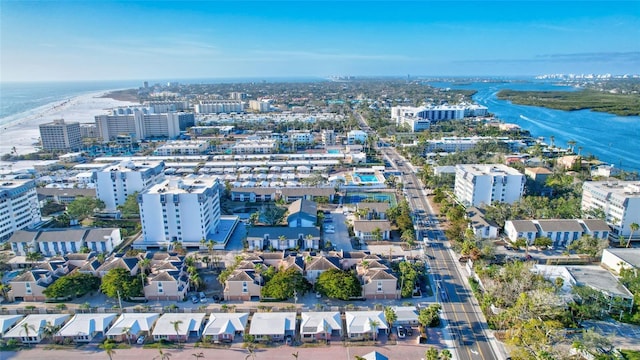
x,y
333,151
10,276
367,178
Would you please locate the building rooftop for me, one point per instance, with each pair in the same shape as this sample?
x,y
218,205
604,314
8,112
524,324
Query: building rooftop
x,y
359,322
599,279
524,226
86,324
629,255
183,186
188,322
320,322
272,323
488,169
225,323
555,225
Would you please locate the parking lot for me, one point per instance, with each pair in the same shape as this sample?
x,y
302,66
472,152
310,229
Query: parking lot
x,y
340,237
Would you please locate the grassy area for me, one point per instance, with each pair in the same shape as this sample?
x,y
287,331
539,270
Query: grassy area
x,y
618,104
631,354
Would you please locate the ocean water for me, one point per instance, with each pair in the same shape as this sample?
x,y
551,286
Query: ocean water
x,y
20,98
612,139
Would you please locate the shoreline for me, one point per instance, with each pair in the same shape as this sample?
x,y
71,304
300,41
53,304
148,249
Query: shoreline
x,y
22,130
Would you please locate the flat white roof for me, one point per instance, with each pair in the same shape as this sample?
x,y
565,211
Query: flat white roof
x,y
189,322
320,322
359,322
86,324
36,321
272,323
7,321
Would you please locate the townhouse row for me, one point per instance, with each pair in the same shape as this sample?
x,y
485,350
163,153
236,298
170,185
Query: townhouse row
x,y
213,327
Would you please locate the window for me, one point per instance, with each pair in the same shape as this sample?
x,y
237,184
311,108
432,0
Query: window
x,y
379,286
245,289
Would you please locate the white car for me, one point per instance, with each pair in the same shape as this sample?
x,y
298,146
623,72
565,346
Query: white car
x,y
402,333
140,340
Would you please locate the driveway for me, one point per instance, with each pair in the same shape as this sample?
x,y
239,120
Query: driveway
x,y
340,239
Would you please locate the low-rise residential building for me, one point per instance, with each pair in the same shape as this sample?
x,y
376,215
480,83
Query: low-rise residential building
x,y
538,174
319,264
302,213
254,194
224,327
36,324
7,322
406,315
131,264
52,242
378,282
374,210
308,193
618,259
369,230
316,326
264,146
129,326
178,327
243,285
63,195
182,147
30,285
364,324
482,229
82,328
167,279
273,326
356,137
283,238
562,232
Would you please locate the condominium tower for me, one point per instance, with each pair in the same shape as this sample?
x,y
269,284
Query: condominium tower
x,y
18,206
114,183
619,200
488,183
59,135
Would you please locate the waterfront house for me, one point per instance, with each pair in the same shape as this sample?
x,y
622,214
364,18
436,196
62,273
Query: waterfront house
x,y
224,327
129,326
178,326
84,327
320,326
362,325
36,323
273,326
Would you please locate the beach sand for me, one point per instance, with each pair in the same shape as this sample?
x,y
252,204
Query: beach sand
x,y
24,131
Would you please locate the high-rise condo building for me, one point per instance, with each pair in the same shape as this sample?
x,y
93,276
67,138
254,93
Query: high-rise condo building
x,y
488,183
618,200
18,206
59,135
114,183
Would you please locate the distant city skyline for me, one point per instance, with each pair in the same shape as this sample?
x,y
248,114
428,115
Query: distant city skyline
x,y
111,40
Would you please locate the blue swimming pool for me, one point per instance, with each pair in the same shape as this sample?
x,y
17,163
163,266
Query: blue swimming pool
x,y
367,178
333,151
358,197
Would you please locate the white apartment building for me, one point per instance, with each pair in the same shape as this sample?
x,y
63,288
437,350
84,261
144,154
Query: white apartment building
x,y
185,210
167,106
88,130
114,183
182,147
219,106
454,143
140,124
18,206
328,137
59,135
478,184
260,105
619,200
265,146
300,137
356,136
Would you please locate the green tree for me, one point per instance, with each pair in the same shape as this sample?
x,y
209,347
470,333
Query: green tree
x,y
75,284
390,315
634,227
83,207
283,284
542,242
130,207
430,316
26,330
339,284
120,280
109,348
432,354
176,327
377,234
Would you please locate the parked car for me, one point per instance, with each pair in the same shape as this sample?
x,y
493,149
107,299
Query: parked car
x,y
140,340
409,331
195,299
203,297
401,332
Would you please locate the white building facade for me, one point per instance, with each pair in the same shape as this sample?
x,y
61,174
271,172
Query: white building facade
x,y
356,137
619,200
115,183
18,206
478,184
59,135
219,106
184,210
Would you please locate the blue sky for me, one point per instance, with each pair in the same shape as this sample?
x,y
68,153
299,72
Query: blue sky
x,y
117,40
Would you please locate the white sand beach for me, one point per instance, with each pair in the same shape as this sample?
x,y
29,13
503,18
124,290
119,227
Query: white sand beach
x,y
23,132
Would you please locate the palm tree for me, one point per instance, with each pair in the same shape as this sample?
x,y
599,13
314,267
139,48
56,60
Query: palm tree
x,y
48,330
446,354
176,328
143,264
634,227
199,355
377,234
195,281
203,242
390,315
26,327
126,332
282,241
251,349
295,355
375,324
108,348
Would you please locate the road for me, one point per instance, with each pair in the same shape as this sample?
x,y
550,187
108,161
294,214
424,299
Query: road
x,y
466,323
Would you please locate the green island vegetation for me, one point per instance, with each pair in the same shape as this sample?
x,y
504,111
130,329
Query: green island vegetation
x,y
618,104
